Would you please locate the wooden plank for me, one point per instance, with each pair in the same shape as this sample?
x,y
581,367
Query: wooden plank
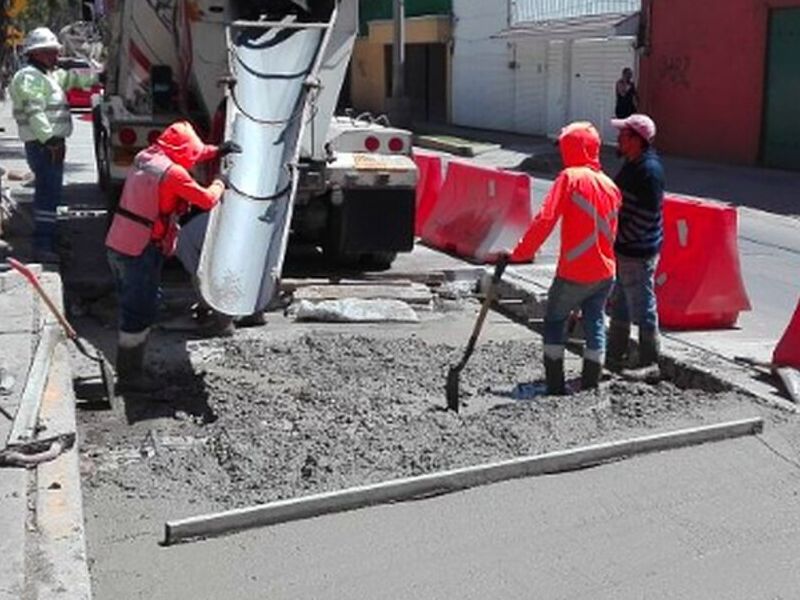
x,y
413,294
24,427
447,481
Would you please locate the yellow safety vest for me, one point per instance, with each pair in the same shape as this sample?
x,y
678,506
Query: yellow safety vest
x,y
40,104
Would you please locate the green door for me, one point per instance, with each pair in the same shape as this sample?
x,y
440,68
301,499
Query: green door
x,y
782,103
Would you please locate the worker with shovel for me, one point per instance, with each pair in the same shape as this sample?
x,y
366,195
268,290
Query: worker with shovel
x,y
586,201
144,228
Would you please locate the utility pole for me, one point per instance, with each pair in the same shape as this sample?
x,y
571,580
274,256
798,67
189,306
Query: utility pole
x,y
398,105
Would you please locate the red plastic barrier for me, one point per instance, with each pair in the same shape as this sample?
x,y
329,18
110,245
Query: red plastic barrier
x,y
429,185
698,282
481,212
787,352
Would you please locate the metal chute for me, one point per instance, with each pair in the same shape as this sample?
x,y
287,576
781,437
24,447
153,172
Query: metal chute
x,y
275,69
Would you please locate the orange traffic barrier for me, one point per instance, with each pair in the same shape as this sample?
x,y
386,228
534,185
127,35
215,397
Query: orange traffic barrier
x,y
698,282
429,185
481,212
787,352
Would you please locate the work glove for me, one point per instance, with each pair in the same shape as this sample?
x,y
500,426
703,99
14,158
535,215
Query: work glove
x,y
57,149
228,147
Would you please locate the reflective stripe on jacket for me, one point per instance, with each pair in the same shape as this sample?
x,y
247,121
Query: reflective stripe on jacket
x,y
40,104
132,226
586,201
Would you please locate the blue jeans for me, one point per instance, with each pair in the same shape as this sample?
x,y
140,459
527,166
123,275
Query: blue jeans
x,y
47,194
564,297
634,297
137,279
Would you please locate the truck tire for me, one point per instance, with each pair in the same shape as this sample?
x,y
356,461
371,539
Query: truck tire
x,y
378,261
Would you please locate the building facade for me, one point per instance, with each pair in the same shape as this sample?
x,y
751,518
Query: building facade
x,y
722,79
531,66
428,58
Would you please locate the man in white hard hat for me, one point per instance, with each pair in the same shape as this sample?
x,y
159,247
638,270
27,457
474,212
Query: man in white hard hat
x,y
44,122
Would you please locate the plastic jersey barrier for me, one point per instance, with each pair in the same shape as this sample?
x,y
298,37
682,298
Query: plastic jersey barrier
x,y
481,212
787,352
698,282
429,186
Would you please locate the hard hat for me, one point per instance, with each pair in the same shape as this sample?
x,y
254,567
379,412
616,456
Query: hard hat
x,y
40,38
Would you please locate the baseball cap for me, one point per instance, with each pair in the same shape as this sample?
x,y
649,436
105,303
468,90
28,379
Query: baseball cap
x,y
641,124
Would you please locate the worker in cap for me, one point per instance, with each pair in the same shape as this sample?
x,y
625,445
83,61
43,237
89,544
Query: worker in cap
x,y
638,243
586,202
44,122
144,229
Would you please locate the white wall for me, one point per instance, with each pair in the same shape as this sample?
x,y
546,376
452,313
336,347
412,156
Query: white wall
x,y
544,10
534,85
483,83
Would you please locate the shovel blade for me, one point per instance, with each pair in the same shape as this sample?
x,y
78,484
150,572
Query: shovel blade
x,y
452,388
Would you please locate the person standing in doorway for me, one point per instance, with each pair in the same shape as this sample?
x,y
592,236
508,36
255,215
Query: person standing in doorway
x,y
586,201
627,97
638,243
44,122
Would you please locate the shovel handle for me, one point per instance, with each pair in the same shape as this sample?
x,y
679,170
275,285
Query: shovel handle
x,y
31,276
500,266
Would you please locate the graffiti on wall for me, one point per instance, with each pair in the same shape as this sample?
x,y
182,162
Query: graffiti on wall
x,y
675,70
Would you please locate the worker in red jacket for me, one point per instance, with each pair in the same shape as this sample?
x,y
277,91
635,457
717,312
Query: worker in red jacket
x,y
586,201
144,228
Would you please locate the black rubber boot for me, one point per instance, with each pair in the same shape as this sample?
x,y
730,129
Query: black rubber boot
x,y
591,373
619,333
649,347
131,376
554,376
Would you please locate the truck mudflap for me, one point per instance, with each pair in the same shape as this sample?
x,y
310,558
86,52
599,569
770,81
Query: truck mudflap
x,y
274,66
374,220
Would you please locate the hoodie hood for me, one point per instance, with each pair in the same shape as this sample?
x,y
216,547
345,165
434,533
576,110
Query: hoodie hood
x,y
580,145
181,144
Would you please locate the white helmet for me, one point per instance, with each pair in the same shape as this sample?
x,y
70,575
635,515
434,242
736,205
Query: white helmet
x,y
40,38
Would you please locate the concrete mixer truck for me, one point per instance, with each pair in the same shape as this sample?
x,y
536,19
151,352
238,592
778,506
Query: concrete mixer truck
x,y
267,74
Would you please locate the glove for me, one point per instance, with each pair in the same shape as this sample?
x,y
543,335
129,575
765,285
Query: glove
x,y
228,147
57,149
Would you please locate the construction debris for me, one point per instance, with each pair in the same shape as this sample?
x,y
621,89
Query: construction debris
x,y
356,310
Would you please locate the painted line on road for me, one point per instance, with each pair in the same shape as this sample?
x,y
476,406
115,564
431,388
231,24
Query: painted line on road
x,y
398,490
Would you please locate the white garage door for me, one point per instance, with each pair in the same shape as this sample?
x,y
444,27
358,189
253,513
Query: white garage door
x,y
596,66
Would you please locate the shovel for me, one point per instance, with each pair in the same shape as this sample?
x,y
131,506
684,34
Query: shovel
x,y
455,371
106,373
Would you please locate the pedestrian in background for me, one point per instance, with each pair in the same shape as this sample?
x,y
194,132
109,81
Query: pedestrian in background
x,y
586,201
144,229
638,244
42,114
627,97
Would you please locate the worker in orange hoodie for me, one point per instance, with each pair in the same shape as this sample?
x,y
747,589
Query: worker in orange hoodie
x,y
586,201
144,228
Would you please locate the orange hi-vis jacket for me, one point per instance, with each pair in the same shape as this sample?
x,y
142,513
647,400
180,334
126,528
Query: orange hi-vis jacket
x,y
587,202
158,189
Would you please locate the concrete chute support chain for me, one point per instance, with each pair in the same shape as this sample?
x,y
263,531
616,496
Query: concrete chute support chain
x,y
275,68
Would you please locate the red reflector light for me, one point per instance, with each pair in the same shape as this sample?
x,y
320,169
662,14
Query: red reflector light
x,y
396,144
153,136
372,143
127,136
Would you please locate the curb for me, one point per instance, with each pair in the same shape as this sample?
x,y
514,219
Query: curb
x,y
46,518
398,490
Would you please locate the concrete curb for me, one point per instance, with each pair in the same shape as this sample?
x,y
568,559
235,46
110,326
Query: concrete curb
x,y
45,522
447,481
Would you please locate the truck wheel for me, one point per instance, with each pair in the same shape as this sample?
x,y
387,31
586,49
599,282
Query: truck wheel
x,y
378,261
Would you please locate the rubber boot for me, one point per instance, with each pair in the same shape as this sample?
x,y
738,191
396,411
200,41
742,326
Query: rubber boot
x,y
554,376
590,375
131,376
619,333
649,347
